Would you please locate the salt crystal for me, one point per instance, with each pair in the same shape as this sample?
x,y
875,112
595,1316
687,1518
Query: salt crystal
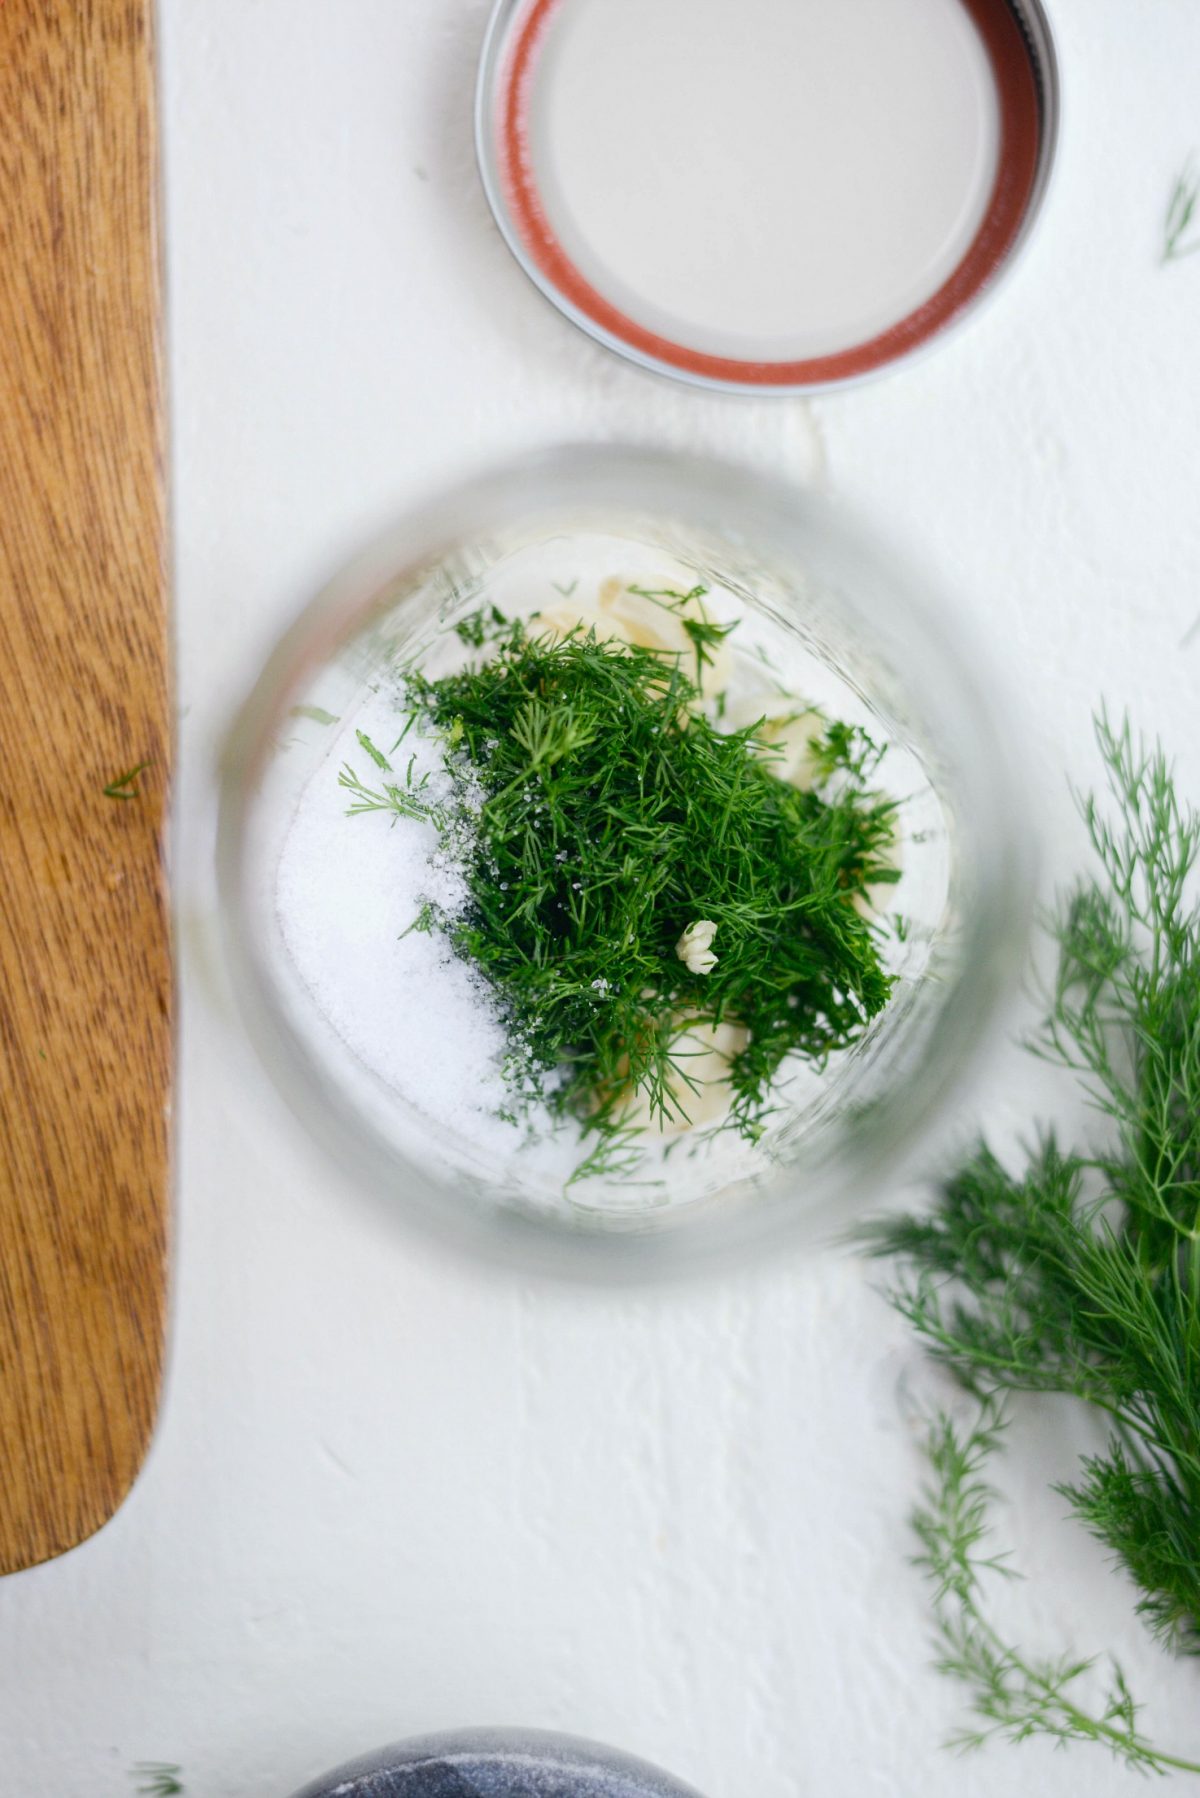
x,y
422,1020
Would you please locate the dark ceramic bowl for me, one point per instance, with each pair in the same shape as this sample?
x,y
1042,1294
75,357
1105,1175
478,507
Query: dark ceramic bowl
x,y
497,1763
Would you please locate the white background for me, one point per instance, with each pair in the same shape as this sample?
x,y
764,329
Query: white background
x,y
393,1491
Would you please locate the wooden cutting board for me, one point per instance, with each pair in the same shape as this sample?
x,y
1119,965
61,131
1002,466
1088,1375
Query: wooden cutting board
x,y
85,972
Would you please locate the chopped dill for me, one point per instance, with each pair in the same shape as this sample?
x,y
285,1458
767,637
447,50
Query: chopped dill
x,y
403,802
703,634
125,785
600,816
158,1779
377,756
1013,1695
616,1153
483,626
422,924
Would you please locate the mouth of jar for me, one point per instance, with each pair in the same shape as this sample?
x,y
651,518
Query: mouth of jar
x,y
852,633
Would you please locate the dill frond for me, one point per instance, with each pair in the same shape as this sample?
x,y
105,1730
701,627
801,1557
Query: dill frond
x,y
316,713
405,801
601,813
158,1779
125,785
702,632
1081,1274
1012,1696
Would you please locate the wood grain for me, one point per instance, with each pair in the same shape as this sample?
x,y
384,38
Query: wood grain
x,y
85,973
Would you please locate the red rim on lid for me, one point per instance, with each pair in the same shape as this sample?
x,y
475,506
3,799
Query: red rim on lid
x,y
1020,61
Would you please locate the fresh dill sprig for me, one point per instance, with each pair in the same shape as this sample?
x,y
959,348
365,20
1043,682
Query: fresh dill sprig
x,y
1012,1696
702,632
125,785
1081,1274
1181,214
602,814
158,1779
616,1153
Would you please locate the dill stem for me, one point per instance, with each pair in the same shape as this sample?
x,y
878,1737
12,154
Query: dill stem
x,y
1084,1721
1080,1275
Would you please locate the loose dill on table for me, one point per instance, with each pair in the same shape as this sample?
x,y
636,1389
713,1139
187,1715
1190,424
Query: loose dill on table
x,y
1079,1273
598,813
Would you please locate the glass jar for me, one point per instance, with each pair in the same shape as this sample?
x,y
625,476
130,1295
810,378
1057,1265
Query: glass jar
x,y
874,649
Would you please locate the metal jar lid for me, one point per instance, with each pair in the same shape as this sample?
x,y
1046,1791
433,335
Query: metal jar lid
x,y
581,67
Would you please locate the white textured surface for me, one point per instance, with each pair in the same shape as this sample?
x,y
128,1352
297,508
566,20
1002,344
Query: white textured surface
x,y
392,1491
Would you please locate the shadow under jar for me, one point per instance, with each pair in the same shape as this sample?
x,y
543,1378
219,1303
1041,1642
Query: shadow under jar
x,y
385,1039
